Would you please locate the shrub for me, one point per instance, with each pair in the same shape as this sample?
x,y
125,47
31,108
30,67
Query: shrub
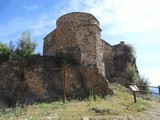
x,y
129,48
131,73
25,48
133,76
4,53
143,83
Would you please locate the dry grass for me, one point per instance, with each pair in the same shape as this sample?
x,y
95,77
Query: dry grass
x,y
120,104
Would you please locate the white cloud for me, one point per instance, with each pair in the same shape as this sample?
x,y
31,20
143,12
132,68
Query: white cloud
x,y
20,24
153,75
150,58
137,25
125,15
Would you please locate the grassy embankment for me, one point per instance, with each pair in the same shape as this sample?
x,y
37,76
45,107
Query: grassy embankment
x,y
118,105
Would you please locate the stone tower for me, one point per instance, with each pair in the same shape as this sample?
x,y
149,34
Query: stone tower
x,y
78,34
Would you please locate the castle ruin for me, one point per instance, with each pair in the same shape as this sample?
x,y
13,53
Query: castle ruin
x,y
80,35
98,64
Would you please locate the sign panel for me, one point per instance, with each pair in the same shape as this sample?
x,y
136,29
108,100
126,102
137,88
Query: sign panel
x,y
134,88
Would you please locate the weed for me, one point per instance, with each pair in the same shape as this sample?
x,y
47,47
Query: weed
x,y
141,105
94,99
119,104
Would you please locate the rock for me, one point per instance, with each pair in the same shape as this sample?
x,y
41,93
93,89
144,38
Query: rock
x,y
7,110
85,118
43,81
120,80
104,111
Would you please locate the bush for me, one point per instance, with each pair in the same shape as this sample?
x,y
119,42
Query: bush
x,y
25,48
129,48
143,83
132,74
5,53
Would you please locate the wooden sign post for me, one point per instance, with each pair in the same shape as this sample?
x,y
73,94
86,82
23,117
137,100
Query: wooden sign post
x,y
135,89
64,84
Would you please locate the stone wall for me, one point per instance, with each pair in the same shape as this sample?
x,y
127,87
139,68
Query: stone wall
x,y
108,59
79,35
76,18
49,44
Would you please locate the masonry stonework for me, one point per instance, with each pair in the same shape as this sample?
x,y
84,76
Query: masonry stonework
x,y
77,34
80,35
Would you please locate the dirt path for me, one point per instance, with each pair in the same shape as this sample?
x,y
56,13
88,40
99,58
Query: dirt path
x,y
152,114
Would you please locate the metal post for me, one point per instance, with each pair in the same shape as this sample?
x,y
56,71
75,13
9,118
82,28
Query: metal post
x,y
159,89
134,93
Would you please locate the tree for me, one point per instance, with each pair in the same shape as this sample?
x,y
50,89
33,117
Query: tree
x,y
4,53
25,47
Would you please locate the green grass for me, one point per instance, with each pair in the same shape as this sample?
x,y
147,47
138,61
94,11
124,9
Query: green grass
x,y
34,112
121,104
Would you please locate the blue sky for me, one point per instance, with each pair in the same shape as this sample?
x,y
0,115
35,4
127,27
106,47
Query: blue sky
x,y
134,21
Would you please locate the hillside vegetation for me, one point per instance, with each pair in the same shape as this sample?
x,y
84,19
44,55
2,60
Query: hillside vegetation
x,y
118,106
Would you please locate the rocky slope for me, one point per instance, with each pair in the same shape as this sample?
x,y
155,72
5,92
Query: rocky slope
x,y
38,79
117,58
42,78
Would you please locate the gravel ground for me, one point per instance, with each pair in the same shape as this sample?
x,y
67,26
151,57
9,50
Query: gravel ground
x,y
152,114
